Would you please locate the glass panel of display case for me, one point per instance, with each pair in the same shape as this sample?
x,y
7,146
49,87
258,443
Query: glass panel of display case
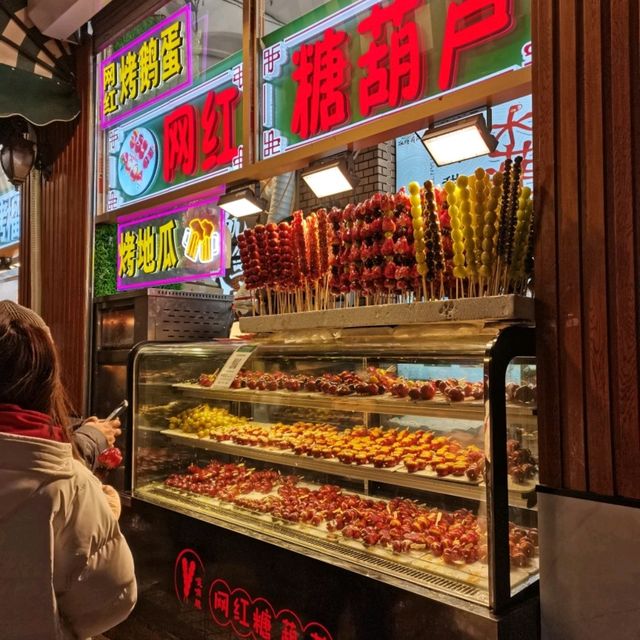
x,y
373,463
522,469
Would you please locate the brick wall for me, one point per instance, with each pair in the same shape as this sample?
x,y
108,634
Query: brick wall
x,y
374,166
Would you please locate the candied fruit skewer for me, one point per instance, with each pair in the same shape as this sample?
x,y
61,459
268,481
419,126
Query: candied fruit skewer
x,y
490,230
457,236
324,249
467,230
515,188
502,225
418,235
479,197
521,238
433,237
528,261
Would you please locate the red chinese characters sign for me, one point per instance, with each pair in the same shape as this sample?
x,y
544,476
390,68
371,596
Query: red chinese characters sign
x,y
256,618
368,58
186,140
204,140
234,608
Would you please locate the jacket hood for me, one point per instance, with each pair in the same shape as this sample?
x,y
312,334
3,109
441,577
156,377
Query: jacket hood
x,y
28,463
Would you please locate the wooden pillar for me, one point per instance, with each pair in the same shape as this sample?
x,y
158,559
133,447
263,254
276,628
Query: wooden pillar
x,y
66,234
587,149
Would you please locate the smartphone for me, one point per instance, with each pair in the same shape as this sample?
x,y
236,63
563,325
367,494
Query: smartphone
x,y
118,411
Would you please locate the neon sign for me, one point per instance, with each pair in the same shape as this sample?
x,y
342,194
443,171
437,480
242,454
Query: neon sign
x,y
256,618
188,578
164,247
334,69
188,139
247,617
153,67
9,218
218,142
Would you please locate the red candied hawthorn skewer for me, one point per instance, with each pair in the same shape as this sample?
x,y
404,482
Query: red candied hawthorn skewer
x,y
404,245
301,264
335,218
288,272
388,249
347,272
324,231
312,245
250,258
356,282
266,269
274,260
375,238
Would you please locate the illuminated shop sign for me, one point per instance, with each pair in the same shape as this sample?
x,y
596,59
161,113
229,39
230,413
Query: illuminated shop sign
x,y
165,247
192,137
327,72
9,218
154,66
247,617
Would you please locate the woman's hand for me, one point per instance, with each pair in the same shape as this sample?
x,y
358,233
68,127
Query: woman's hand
x,y
110,429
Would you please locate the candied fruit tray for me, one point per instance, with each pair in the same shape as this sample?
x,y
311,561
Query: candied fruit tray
x,y
386,404
425,480
418,568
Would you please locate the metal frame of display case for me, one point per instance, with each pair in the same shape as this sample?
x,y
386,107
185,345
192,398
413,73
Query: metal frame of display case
x,y
507,343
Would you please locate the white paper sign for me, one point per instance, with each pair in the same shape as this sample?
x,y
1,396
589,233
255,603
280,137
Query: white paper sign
x,y
234,363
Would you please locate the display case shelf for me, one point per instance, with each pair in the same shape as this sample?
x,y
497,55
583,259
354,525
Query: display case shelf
x,y
385,404
480,310
425,571
519,495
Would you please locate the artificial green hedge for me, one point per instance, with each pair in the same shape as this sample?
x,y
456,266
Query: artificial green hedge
x,y
104,260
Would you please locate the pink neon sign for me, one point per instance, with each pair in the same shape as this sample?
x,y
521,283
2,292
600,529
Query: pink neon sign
x,y
154,66
165,246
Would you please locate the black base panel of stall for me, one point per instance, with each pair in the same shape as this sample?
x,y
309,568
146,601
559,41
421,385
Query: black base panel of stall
x,y
197,581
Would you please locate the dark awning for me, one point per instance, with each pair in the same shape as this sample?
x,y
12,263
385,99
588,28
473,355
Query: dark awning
x,y
36,72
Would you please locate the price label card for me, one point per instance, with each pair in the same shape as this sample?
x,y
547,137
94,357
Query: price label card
x,y
232,366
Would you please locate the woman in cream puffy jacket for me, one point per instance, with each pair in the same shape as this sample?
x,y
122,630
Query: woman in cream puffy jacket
x,y
66,571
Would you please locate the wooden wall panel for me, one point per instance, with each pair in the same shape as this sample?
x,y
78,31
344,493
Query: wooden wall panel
x,y
623,165
586,137
594,255
546,254
66,225
24,283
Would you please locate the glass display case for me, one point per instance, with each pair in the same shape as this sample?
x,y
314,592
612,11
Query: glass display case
x,y
405,454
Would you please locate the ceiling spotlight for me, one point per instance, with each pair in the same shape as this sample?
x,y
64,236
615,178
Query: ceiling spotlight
x,y
241,203
329,178
459,140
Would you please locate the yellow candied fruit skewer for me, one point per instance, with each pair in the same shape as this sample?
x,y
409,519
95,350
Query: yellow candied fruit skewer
x,y
490,231
456,230
467,228
418,228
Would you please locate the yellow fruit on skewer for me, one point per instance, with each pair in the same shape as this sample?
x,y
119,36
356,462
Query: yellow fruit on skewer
x,y
457,237
419,244
490,230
